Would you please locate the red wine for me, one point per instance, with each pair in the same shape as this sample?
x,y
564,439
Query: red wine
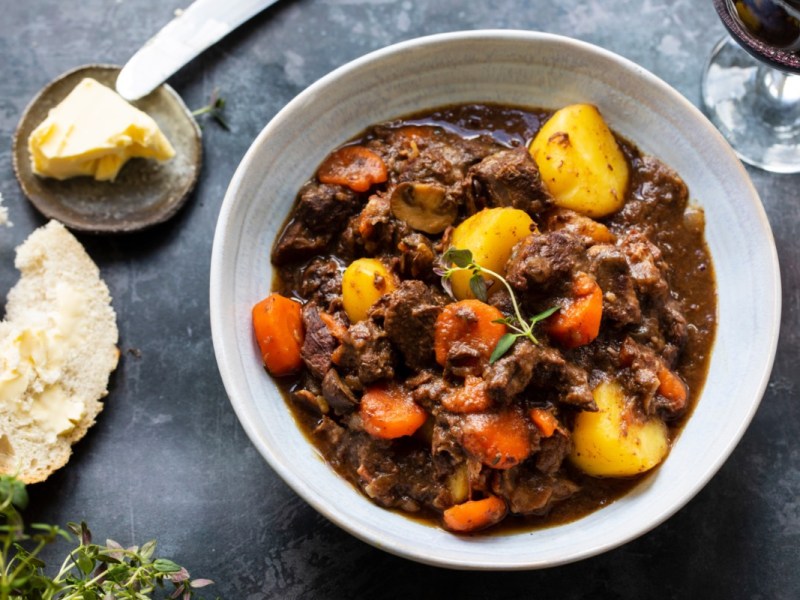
x,y
767,29
776,22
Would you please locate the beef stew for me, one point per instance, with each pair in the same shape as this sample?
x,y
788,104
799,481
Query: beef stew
x,y
462,330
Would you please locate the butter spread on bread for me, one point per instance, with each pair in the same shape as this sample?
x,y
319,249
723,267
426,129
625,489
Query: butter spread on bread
x,y
58,346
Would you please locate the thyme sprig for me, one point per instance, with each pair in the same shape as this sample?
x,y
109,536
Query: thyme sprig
x,y
519,326
89,572
213,109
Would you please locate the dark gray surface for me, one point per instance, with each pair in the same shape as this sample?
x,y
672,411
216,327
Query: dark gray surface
x,y
168,458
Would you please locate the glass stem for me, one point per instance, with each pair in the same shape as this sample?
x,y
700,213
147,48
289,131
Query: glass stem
x,y
779,93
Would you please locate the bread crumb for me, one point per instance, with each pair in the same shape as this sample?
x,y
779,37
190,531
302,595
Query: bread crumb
x,y
4,214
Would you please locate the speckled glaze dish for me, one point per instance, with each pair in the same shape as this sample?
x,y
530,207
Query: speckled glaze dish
x,y
510,67
145,193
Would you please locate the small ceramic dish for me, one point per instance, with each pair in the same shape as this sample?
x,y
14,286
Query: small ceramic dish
x,y
145,193
520,68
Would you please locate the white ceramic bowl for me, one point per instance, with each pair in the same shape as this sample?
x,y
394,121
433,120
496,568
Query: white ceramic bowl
x,y
511,67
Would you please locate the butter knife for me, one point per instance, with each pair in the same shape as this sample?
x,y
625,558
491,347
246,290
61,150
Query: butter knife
x,y
204,23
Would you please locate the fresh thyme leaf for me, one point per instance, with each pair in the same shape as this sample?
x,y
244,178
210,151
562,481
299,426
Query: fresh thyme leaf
x,y
503,345
164,565
544,314
477,285
461,258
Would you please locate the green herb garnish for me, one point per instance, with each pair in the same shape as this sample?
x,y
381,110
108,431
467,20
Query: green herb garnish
x,y
213,109
521,327
89,572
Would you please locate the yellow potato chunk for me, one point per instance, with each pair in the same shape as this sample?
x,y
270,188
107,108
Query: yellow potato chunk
x,y
490,235
580,161
614,442
364,281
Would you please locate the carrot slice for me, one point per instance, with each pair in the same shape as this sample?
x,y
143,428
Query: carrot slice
x,y
499,440
673,388
278,328
356,167
389,412
470,322
545,421
471,397
578,321
474,515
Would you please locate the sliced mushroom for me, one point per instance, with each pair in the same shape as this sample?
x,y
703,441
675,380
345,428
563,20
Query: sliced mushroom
x,y
423,206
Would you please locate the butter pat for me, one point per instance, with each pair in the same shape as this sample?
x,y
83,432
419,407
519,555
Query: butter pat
x,y
32,359
93,131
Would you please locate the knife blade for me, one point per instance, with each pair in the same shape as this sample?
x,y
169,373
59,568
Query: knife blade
x,y
204,23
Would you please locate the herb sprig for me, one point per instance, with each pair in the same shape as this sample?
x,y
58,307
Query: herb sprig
x,y
89,572
521,327
213,109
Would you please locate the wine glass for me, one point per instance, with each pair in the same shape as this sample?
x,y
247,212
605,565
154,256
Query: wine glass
x,y
751,90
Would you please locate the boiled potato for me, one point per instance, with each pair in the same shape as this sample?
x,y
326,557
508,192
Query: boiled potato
x,y
613,442
364,281
580,161
490,235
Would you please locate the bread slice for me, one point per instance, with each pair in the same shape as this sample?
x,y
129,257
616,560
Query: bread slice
x,y
58,346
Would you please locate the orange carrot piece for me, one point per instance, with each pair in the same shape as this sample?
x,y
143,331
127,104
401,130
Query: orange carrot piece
x,y
578,321
338,331
673,388
470,322
471,397
545,421
278,328
389,412
356,167
499,440
474,515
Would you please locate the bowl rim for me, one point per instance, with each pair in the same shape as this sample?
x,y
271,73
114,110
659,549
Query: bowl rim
x,y
295,482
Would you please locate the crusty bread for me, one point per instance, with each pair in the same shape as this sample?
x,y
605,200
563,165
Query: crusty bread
x,y
61,298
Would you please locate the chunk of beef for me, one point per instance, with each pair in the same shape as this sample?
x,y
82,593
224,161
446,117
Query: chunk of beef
x,y
311,401
417,257
657,193
552,371
540,366
553,451
610,269
428,389
321,283
544,263
330,432
675,327
376,229
392,476
507,178
641,379
529,492
325,208
339,397
646,264
587,229
409,318
422,153
649,275
318,342
367,352
297,242
511,374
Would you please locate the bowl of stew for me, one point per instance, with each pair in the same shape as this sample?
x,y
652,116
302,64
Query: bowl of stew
x,y
493,299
